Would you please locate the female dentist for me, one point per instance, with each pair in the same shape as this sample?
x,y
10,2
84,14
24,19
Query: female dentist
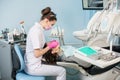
x,y
34,48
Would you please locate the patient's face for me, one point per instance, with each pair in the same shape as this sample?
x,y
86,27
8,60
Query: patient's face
x,y
56,50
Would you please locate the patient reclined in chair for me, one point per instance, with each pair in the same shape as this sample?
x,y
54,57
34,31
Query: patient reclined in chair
x,y
86,66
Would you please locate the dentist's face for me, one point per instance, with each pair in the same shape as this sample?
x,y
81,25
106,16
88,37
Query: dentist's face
x,y
49,24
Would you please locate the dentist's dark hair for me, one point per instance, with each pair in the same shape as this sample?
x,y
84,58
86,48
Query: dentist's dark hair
x,y
47,13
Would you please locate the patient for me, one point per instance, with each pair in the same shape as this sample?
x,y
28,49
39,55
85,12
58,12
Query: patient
x,y
49,57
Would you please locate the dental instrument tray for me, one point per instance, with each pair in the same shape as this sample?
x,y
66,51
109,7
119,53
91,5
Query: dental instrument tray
x,y
97,56
104,57
87,51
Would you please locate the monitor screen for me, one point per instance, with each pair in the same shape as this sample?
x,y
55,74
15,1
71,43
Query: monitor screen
x,y
118,4
92,4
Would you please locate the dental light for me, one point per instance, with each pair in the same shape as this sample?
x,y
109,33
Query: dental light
x,y
57,32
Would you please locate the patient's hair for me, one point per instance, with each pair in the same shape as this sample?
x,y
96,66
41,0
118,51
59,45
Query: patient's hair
x,y
48,57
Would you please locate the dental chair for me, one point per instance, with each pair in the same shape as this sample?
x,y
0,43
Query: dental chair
x,y
81,34
98,70
84,35
97,35
20,74
97,29
111,28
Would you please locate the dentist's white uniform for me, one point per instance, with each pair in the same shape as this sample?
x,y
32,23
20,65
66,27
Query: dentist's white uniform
x,y
35,40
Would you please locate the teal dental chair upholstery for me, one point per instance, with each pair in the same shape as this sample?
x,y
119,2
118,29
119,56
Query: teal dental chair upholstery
x,y
21,75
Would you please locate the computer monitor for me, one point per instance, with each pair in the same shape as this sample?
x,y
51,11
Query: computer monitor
x,y
92,4
118,5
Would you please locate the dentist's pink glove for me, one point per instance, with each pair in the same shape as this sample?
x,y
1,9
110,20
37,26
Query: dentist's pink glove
x,y
53,44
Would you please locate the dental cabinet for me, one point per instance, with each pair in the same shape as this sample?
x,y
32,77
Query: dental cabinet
x,y
0,74
5,60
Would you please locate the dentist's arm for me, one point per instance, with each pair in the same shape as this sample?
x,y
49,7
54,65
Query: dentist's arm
x,y
50,45
40,52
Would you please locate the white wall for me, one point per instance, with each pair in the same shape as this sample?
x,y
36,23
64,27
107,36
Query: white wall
x,y
70,14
